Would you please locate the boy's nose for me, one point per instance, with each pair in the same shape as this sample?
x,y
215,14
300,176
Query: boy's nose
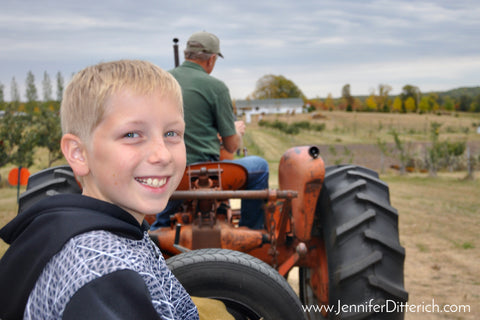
x,y
159,153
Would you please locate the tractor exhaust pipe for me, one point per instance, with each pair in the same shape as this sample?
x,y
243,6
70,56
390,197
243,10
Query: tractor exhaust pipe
x,y
175,52
314,152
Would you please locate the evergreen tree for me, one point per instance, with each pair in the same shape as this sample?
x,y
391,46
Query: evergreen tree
x,y
14,93
59,86
31,92
47,87
31,89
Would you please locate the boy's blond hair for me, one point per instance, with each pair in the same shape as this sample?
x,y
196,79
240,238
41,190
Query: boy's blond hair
x,y
84,99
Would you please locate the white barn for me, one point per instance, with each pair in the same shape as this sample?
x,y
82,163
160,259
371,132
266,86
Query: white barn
x,y
268,106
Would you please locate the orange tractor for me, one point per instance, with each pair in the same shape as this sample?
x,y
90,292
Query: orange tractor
x,y
333,225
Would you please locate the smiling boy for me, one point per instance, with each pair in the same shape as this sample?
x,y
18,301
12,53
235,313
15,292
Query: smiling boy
x,y
89,256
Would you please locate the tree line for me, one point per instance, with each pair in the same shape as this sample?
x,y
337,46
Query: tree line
x,y
411,99
26,126
31,92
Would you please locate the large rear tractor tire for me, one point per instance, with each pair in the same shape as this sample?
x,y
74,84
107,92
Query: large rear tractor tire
x,y
365,260
249,288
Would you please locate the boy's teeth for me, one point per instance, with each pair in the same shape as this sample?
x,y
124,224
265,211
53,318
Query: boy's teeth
x,y
153,182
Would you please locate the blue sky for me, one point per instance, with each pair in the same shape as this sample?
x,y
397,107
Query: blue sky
x,y
319,45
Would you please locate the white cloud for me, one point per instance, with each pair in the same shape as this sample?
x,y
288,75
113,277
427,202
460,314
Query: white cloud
x,y
319,45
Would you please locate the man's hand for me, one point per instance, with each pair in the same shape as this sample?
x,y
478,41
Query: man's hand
x,y
240,127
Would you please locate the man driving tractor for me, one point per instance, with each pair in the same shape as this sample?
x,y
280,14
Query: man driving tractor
x,y
208,116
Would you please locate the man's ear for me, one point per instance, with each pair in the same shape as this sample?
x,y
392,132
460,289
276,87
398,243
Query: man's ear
x,y
209,64
74,151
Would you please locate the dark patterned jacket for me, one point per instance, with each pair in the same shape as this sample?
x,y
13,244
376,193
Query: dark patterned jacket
x,y
75,257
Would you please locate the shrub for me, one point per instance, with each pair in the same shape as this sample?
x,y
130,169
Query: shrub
x,y
293,128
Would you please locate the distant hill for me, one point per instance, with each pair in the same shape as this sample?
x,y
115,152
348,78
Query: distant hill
x,y
453,93
457,93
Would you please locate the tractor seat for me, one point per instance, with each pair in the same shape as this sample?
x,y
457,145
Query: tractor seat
x,y
219,175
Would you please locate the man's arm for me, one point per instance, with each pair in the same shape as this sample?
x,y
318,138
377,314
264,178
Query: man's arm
x,y
233,142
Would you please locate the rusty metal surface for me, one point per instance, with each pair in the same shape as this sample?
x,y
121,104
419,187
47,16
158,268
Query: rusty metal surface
x,y
301,169
224,175
206,237
268,194
221,235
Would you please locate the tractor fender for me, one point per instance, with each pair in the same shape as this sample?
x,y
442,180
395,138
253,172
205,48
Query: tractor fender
x,y
303,170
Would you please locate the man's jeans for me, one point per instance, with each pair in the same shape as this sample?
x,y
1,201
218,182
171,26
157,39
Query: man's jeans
x,y
252,211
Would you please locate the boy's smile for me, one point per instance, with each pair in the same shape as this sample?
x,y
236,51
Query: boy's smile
x,y
152,182
136,155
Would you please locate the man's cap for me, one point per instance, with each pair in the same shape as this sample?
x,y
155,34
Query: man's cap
x,y
204,42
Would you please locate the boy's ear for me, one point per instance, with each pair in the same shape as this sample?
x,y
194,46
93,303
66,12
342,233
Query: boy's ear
x,y
75,152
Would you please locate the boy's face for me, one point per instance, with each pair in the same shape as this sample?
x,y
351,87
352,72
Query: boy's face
x,y
136,156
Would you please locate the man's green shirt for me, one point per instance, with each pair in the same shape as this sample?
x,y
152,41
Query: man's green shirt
x,y
208,109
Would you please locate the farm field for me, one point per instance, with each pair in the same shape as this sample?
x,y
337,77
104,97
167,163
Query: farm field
x,y
439,224
439,216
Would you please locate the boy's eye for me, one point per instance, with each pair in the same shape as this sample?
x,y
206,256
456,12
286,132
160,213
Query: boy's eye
x,y
171,134
131,135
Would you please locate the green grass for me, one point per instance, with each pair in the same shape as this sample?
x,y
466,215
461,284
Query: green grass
x,y
465,245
